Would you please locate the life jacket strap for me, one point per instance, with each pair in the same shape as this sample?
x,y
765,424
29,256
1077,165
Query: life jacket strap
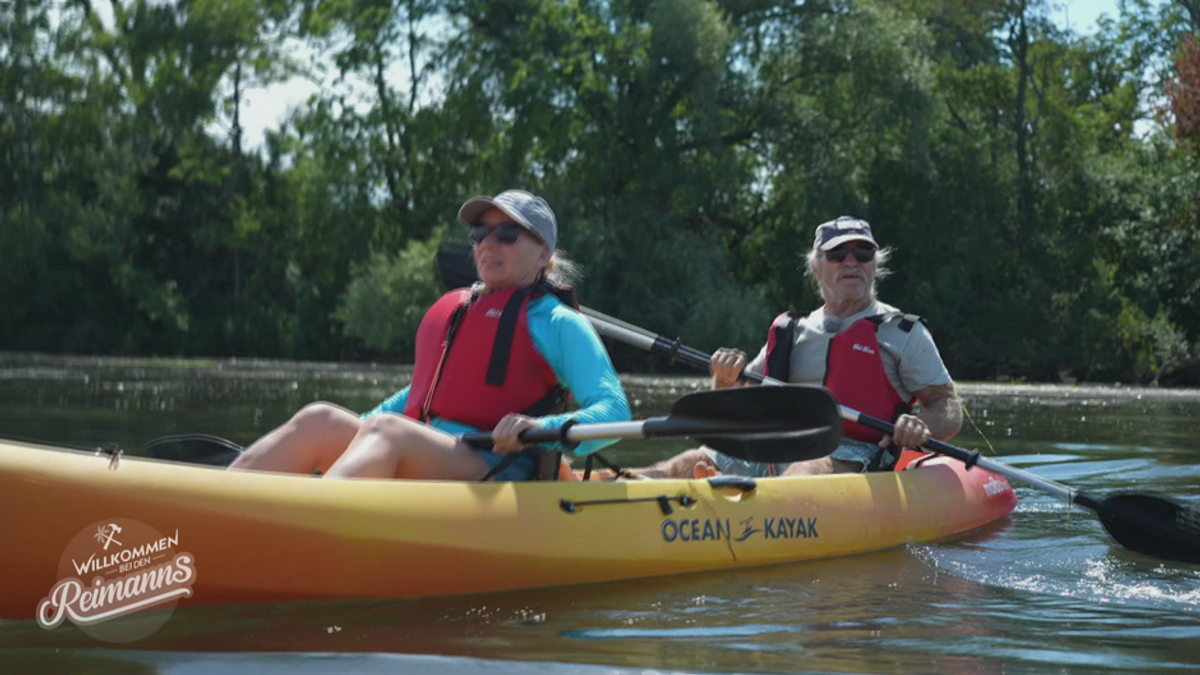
x,y
502,346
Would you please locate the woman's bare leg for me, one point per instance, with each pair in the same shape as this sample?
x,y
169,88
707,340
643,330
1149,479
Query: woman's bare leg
x,y
393,446
311,440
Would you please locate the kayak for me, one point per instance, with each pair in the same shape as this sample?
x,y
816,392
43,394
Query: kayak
x,y
249,537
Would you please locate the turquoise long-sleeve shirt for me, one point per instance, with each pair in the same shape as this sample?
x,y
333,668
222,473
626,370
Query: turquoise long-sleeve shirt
x,y
574,352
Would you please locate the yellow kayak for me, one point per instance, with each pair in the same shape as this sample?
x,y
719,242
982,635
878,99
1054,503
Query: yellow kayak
x,y
259,537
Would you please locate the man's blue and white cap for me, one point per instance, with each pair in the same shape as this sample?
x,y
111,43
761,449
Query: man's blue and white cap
x,y
526,209
837,232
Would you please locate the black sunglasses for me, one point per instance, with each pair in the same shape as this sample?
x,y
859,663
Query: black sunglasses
x,y
862,254
506,233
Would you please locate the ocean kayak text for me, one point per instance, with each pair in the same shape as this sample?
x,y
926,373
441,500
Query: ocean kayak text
x,y
705,529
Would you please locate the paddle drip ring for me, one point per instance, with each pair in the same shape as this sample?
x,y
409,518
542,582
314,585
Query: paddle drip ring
x,y
563,431
970,462
673,352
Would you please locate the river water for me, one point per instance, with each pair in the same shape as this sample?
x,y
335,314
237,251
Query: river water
x,y
1042,591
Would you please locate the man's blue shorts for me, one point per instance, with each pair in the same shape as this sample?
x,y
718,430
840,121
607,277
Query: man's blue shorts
x,y
850,450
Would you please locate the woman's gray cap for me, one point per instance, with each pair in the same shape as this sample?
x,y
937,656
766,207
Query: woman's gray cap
x,y
526,209
837,232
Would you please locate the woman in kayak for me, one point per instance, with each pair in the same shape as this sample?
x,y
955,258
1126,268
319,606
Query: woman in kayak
x,y
504,355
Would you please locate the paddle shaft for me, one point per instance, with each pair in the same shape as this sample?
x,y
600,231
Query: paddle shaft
x,y
655,427
624,332
201,444
758,424
761,424
639,337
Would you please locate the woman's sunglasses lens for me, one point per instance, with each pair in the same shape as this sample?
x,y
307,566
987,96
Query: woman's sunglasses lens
x,y
507,233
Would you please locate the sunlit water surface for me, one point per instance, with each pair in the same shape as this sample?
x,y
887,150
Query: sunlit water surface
x,y
1041,591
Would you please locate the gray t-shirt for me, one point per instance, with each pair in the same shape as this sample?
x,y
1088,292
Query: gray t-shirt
x,y
910,359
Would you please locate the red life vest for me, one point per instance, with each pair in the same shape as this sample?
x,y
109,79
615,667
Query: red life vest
x,y
475,360
853,368
854,373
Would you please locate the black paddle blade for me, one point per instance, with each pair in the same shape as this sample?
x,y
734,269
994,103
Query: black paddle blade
x,y
194,449
1152,525
456,266
787,423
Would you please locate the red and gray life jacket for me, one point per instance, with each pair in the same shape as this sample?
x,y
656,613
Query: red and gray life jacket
x,y
853,368
475,359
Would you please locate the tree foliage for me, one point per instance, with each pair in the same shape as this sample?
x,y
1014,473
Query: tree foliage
x,y
1039,186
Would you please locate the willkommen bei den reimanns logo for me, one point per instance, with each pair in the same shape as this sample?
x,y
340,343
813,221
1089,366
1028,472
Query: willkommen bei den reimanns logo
x,y
119,581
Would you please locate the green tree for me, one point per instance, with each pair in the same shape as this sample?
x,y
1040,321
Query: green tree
x,y
388,297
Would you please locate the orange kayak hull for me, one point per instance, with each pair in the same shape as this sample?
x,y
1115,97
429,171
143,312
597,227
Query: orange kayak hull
x,y
261,537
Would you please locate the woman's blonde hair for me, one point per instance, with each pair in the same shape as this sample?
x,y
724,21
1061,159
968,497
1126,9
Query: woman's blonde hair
x,y
561,269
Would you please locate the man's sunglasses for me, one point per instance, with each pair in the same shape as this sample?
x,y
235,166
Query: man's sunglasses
x,y
506,233
862,254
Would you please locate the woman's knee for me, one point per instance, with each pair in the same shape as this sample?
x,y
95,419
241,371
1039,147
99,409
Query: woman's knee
x,y
394,427
318,418
392,446
393,436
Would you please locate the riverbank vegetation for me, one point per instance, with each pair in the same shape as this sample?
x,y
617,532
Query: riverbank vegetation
x,y
1040,186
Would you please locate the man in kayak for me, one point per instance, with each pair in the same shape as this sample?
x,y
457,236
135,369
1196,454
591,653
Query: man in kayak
x,y
504,355
874,359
